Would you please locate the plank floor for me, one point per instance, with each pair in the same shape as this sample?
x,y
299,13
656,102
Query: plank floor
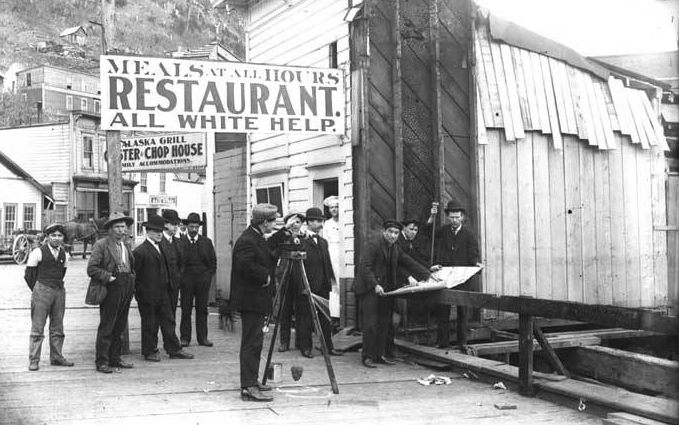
x,y
205,390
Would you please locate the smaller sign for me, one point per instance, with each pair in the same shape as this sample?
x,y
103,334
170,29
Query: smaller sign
x,y
162,201
162,152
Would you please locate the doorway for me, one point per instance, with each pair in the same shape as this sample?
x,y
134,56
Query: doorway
x,y
322,189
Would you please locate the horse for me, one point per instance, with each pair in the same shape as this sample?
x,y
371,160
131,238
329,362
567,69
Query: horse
x,y
85,231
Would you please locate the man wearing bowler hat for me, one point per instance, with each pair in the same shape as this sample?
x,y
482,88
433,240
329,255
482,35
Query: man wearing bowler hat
x,y
45,271
170,246
377,274
292,301
456,246
152,289
112,264
200,264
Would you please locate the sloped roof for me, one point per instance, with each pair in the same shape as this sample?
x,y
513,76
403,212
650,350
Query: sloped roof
x,y
20,172
556,91
662,66
72,30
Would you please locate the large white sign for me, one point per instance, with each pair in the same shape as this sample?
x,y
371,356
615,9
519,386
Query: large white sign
x,y
165,94
164,152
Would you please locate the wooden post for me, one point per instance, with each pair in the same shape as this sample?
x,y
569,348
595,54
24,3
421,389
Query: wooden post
x,y
113,151
526,355
462,327
549,351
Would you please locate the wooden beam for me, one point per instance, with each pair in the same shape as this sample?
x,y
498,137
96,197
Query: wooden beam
x,y
512,346
604,315
397,117
526,355
549,351
435,80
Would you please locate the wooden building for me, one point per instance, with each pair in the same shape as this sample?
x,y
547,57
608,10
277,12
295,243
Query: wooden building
x,y
559,163
74,35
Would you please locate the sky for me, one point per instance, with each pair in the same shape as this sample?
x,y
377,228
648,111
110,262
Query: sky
x,y
597,27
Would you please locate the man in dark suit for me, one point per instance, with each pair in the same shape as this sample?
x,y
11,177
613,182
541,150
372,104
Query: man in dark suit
x,y
152,291
293,299
252,290
380,261
456,246
200,265
321,281
112,264
171,248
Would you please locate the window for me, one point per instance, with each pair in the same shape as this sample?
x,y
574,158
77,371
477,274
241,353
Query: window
x,y
28,79
85,205
143,185
97,106
163,180
29,216
83,86
87,152
140,220
10,218
69,103
272,195
69,81
83,104
332,55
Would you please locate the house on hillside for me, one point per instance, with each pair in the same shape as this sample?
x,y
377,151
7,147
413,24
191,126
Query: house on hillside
x,y
70,161
74,35
10,77
553,154
58,91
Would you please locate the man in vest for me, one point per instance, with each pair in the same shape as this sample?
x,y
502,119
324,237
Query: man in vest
x,y
170,245
200,264
45,271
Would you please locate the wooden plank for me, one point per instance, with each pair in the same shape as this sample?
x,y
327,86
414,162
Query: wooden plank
x,y
621,94
529,82
543,240
549,351
573,219
621,109
586,105
526,217
526,355
588,224
637,117
640,113
627,369
557,224
540,94
481,135
631,229
510,219
632,419
436,114
512,346
482,85
602,209
492,79
554,120
397,111
610,107
603,115
557,83
568,97
510,120
597,137
521,88
493,210
672,249
654,121
645,209
580,103
618,222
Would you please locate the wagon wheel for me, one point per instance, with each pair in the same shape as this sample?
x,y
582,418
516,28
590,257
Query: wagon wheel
x,y
20,249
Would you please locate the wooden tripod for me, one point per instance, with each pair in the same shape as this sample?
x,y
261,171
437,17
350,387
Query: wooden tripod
x,y
294,260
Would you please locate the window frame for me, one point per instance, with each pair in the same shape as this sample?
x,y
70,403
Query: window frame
x,y
267,188
69,103
162,182
25,209
5,220
87,137
143,182
83,104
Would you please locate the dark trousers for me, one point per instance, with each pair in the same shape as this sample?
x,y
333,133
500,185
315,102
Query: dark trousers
x,y
47,301
173,293
306,325
251,343
376,316
288,309
154,316
113,319
194,287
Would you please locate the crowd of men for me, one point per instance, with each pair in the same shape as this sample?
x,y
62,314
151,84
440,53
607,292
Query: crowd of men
x,y
167,267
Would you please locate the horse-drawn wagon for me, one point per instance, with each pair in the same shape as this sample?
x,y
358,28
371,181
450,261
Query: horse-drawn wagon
x,y
20,243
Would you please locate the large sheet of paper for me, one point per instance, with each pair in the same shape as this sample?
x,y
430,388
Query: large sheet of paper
x,y
446,278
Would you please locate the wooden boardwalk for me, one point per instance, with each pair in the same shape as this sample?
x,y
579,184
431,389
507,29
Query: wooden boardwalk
x,y
206,389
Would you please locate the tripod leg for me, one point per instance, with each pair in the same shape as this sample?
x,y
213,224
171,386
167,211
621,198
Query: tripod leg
x,y
319,331
280,295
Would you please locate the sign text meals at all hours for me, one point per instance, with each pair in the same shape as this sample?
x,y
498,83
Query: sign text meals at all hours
x,y
164,94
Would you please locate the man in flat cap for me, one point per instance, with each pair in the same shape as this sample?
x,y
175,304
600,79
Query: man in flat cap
x,y
112,265
380,261
252,289
199,263
456,246
152,291
173,254
45,271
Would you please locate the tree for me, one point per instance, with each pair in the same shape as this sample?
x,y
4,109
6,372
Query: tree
x,y
14,110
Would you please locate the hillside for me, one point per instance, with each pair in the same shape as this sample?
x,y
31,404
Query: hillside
x,y
29,30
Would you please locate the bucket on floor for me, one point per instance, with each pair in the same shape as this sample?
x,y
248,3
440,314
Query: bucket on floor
x,y
275,372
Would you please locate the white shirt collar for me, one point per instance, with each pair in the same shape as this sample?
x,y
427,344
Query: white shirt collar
x,y
456,231
155,245
167,236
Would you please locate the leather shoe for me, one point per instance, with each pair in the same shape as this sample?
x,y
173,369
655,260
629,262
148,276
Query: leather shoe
x,y
122,365
152,357
104,368
307,354
184,343
33,366
263,387
283,348
386,361
334,352
368,362
206,343
61,362
254,394
181,355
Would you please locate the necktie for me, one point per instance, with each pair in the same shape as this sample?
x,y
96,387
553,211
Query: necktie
x,y
315,238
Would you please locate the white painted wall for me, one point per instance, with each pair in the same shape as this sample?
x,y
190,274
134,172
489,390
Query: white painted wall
x,y
16,190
